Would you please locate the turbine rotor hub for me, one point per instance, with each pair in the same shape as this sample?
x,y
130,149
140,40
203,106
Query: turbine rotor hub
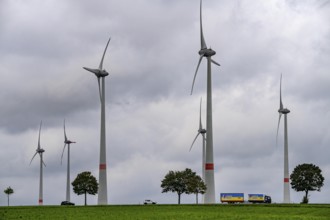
x,y
284,111
40,150
103,73
207,52
202,131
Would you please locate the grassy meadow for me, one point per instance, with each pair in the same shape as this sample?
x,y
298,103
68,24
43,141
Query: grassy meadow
x,y
169,212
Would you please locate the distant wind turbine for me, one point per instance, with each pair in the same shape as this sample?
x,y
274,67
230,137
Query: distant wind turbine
x,y
209,164
101,73
201,131
40,151
67,142
285,111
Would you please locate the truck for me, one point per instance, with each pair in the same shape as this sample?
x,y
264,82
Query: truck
x,y
232,197
259,198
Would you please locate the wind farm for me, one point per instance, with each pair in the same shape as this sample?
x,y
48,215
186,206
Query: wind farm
x,y
145,103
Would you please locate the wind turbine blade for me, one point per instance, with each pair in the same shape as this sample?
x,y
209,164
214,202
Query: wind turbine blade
x,y
278,126
200,115
39,135
98,81
43,162
194,141
95,71
63,153
281,104
105,50
199,62
203,44
215,62
33,157
65,137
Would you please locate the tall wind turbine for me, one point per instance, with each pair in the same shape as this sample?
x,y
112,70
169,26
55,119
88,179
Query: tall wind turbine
x,y
101,73
67,142
209,165
284,111
40,151
201,131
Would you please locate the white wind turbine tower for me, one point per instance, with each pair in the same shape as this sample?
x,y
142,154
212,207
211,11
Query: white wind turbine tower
x,y
40,151
209,165
285,111
67,142
201,131
101,74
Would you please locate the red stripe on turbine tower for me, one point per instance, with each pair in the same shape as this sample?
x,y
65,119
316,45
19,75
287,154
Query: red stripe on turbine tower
x,y
40,201
103,166
286,180
209,166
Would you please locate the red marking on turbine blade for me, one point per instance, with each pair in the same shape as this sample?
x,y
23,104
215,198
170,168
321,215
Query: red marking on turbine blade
x,y
40,201
103,166
209,166
286,180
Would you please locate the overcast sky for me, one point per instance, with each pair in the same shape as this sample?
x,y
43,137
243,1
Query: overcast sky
x,y
151,117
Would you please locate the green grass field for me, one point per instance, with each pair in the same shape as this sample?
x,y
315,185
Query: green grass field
x,y
169,212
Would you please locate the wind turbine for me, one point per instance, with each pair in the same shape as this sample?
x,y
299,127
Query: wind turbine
x,y
101,73
201,131
40,151
67,142
209,165
284,111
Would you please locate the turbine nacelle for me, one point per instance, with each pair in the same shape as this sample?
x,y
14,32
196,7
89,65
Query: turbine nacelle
x,y
40,151
206,52
69,142
202,131
284,111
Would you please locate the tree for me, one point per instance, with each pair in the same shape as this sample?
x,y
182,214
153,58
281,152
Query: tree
x,y
85,183
196,185
181,182
8,191
306,177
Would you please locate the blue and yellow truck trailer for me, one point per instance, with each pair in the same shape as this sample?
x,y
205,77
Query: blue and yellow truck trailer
x,y
232,197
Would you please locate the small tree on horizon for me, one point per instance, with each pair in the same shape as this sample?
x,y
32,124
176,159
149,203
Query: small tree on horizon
x,y
196,185
8,191
181,182
306,177
85,183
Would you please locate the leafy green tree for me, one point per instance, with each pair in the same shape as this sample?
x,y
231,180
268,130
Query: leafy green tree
x,y
180,182
196,185
8,191
85,183
306,177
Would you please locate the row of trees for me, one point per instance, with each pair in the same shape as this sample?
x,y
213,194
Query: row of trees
x,y
304,178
